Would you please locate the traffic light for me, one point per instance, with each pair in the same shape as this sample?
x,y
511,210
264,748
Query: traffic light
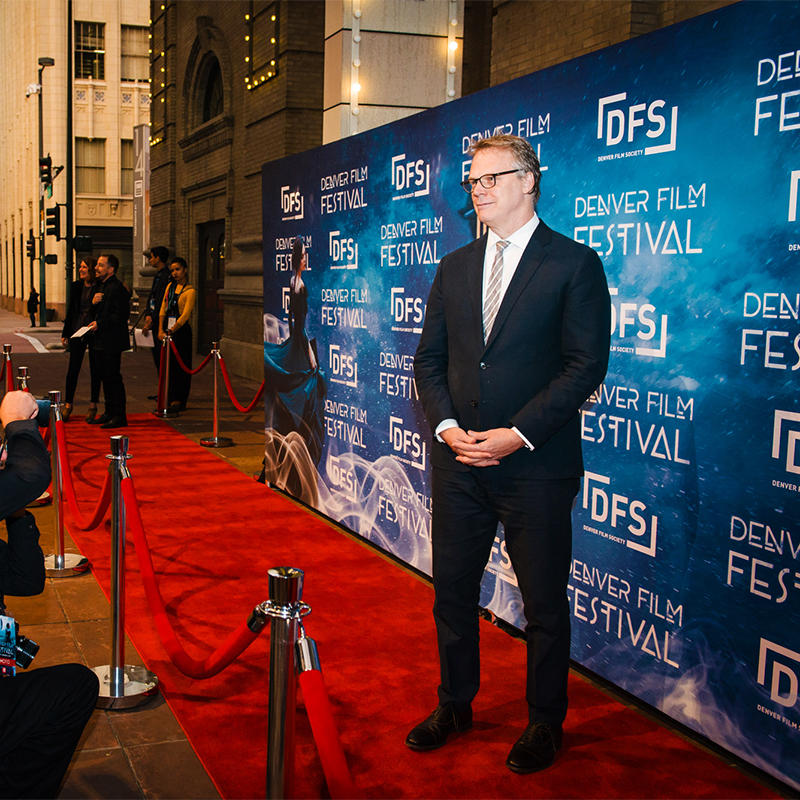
x,y
52,220
46,170
30,248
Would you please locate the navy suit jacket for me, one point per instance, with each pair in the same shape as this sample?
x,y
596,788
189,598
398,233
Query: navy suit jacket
x,y
547,352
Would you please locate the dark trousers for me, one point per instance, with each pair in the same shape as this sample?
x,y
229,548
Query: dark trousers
x,y
109,364
156,346
42,715
180,382
536,515
77,347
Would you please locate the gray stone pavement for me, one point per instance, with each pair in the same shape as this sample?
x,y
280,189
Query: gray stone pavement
x,y
141,752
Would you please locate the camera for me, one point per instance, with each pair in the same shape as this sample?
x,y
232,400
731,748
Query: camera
x,y
16,650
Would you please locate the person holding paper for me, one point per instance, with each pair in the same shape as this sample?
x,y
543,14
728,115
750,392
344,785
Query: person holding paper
x,y
78,316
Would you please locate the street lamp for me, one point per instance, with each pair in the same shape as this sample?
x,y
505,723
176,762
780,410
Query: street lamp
x,y
44,62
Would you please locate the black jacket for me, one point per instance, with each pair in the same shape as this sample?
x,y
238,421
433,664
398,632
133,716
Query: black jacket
x,y
111,315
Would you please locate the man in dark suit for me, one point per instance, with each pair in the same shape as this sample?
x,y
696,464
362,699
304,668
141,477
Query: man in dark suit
x,y
516,337
157,258
112,307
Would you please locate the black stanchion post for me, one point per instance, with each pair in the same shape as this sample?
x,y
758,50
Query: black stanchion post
x,y
216,440
163,411
286,610
59,564
121,685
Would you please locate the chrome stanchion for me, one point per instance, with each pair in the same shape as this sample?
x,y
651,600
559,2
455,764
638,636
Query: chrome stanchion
x,y
9,367
286,610
216,440
59,564
121,685
22,379
163,411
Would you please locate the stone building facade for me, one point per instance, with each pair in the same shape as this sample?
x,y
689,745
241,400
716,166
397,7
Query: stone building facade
x,y
240,83
110,93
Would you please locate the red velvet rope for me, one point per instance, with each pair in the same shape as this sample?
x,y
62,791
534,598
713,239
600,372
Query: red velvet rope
x,y
69,489
9,374
331,755
183,366
231,648
239,406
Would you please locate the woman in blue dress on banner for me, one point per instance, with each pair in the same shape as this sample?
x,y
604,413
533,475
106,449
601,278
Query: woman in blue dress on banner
x,y
295,386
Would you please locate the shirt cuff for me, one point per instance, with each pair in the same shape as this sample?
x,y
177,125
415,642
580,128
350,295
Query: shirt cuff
x,y
443,426
525,441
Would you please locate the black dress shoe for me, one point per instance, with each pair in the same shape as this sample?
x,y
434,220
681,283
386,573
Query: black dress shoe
x,y
433,732
536,749
115,422
98,420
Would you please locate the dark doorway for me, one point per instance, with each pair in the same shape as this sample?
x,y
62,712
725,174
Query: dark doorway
x,y
211,246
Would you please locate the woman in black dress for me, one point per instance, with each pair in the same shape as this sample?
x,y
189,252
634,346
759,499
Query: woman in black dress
x,y
78,315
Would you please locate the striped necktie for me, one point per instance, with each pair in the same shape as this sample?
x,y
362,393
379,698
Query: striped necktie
x,y
491,301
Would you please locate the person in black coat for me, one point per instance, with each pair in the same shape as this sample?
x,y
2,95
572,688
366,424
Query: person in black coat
x,y
516,337
33,306
79,314
110,338
42,712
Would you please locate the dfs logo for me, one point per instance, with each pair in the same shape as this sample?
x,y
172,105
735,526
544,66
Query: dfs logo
x,y
342,476
343,251
408,446
618,123
792,462
629,517
639,320
291,204
410,178
783,666
343,367
407,311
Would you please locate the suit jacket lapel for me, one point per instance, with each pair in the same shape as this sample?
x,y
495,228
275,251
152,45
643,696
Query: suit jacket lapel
x,y
528,265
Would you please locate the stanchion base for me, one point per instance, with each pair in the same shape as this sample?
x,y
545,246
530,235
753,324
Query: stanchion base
x,y
217,441
164,413
66,566
139,685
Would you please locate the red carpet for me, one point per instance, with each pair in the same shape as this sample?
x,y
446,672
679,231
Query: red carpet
x,y
214,533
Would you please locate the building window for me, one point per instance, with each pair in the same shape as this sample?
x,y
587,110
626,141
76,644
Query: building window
x,y
135,62
212,96
90,166
90,50
126,166
262,39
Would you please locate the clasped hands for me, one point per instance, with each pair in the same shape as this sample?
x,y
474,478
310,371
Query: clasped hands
x,y
481,448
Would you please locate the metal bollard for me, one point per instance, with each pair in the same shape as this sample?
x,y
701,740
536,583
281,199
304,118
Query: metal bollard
x,y
121,685
216,440
163,412
286,610
60,564
9,368
22,379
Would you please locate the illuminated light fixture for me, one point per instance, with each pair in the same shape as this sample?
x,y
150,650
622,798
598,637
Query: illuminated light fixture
x,y
356,87
453,45
162,6
272,40
263,78
247,18
269,74
247,59
272,62
247,38
272,18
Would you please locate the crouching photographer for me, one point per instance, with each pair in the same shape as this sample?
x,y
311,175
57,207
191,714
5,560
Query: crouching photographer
x,y
42,712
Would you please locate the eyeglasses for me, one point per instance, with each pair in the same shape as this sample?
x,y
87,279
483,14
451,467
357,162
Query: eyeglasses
x,y
487,181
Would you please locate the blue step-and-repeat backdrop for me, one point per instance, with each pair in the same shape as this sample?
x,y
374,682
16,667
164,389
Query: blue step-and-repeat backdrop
x,y
677,157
